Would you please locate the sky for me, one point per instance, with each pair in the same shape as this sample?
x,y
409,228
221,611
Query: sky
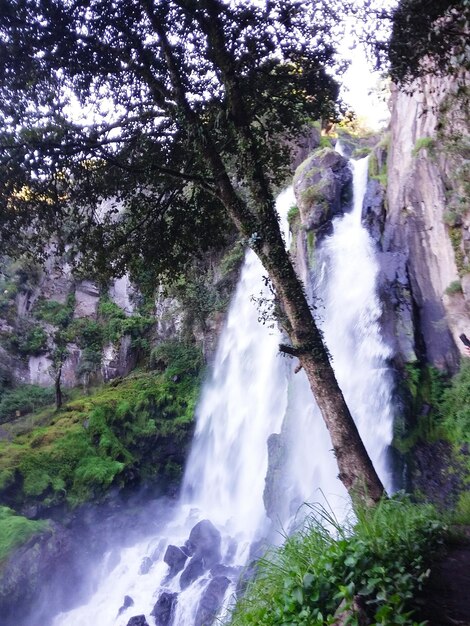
x,y
363,88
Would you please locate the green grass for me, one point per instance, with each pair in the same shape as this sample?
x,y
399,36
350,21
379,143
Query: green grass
x,y
126,433
16,530
293,214
380,562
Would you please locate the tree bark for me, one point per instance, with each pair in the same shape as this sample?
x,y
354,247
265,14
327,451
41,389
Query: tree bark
x,y
356,471
58,389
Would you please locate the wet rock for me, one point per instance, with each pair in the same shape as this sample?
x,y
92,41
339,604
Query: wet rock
x,y
204,540
322,186
164,609
373,210
273,499
224,570
195,568
145,565
128,602
175,558
211,601
231,550
137,620
157,553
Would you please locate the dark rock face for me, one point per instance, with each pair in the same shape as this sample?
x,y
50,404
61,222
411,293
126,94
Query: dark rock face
x,y
195,568
204,541
373,210
137,620
175,558
211,601
28,572
128,602
164,609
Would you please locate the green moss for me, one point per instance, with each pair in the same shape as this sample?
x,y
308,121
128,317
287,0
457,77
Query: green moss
x,y
116,437
423,386
232,259
16,530
293,214
311,238
454,288
424,143
360,153
325,142
455,234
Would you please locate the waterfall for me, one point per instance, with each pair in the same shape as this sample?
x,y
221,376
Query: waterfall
x,y
253,396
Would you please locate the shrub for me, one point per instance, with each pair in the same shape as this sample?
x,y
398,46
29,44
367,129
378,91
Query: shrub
x,y
424,143
56,313
22,400
380,562
455,407
454,287
293,214
177,358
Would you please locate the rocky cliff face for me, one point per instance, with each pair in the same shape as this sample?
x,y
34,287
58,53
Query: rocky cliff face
x,y
424,233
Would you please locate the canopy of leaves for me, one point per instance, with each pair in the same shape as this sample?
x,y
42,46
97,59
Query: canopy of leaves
x,y
429,37
96,149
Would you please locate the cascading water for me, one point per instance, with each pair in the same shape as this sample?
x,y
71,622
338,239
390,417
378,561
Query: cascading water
x,y
252,394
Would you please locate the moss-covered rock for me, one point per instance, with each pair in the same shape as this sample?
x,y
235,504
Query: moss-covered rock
x,y
321,185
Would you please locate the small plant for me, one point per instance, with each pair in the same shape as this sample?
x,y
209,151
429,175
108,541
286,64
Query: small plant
x,y
293,214
232,259
424,143
455,287
23,399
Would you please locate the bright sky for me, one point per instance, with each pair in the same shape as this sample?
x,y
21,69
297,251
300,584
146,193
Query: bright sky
x,y
363,88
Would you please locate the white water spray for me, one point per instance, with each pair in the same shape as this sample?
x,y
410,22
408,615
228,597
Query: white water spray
x,y
250,395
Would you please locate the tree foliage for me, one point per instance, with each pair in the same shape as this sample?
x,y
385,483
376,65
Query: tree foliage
x,y
428,37
192,106
95,144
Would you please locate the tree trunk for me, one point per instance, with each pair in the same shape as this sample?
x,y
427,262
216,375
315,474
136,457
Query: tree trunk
x,y
355,467
58,389
259,224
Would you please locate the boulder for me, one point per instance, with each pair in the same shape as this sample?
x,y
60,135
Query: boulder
x,y
211,601
322,186
137,620
175,558
164,608
128,602
204,540
195,568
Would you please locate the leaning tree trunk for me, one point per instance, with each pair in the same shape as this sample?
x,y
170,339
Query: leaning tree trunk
x,y
261,227
355,467
58,388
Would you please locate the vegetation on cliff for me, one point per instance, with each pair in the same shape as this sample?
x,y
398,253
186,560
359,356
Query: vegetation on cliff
x,y
128,433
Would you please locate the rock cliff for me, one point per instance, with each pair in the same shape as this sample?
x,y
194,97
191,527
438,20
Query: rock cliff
x,y
424,233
